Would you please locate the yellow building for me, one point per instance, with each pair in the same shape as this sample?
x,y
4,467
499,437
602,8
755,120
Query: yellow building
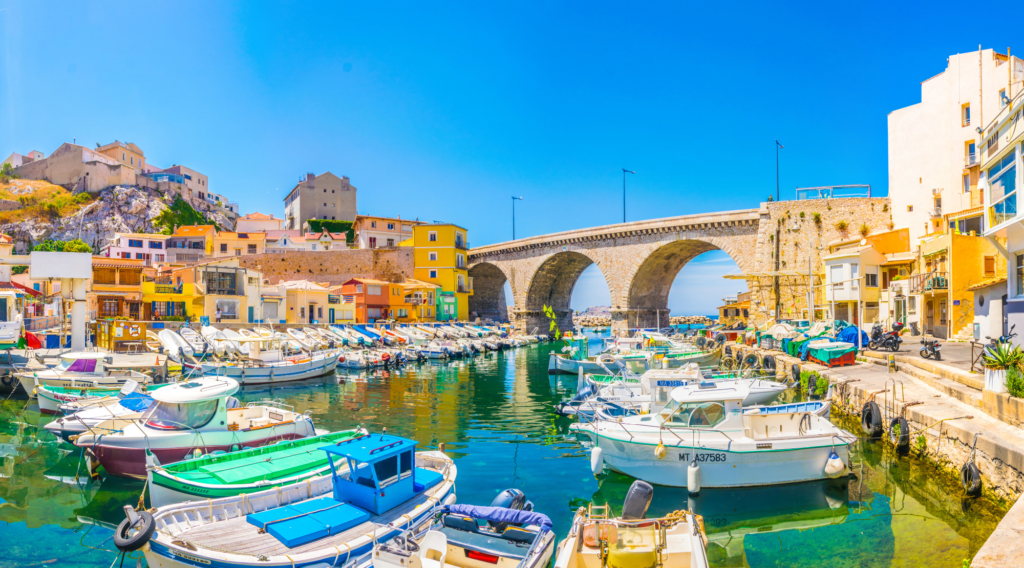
x,y
305,302
6,245
168,301
191,243
126,153
440,254
236,244
419,299
204,290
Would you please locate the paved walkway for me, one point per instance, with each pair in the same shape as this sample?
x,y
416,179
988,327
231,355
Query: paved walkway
x,y
954,354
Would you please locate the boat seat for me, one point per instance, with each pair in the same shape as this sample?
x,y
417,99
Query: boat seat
x,y
461,523
516,534
426,478
299,523
487,543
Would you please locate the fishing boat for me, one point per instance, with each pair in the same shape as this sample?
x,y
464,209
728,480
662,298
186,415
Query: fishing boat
x,y
79,369
174,344
187,417
632,540
379,487
80,417
705,426
469,536
59,400
271,365
195,341
245,471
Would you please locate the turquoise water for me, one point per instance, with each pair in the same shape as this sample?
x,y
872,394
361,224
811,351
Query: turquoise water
x,y
495,415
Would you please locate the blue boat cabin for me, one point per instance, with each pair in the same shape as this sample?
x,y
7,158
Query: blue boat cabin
x,y
381,476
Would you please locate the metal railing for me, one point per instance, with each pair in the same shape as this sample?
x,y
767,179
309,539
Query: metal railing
x,y
185,256
41,323
333,299
833,191
464,289
972,159
462,245
931,281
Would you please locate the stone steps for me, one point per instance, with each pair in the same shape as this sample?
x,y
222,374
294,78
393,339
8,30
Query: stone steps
x,y
962,392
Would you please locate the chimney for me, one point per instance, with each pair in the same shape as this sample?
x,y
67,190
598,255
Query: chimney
x,y
310,177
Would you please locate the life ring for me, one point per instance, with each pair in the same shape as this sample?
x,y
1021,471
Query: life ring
x,y
871,419
795,372
605,358
128,538
768,363
903,441
970,478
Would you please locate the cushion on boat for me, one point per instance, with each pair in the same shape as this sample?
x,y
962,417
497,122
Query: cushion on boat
x,y
426,478
282,463
458,522
296,524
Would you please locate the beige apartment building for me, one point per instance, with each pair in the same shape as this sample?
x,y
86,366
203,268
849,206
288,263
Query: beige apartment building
x,y
380,232
194,184
258,223
126,153
933,159
324,196
77,168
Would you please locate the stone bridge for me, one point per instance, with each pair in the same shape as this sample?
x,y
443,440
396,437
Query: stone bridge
x,y
639,261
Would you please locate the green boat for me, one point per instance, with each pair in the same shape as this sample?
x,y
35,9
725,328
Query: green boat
x,y
227,474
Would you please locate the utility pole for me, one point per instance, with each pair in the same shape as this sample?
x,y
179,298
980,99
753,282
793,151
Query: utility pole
x,y
624,172
777,146
514,199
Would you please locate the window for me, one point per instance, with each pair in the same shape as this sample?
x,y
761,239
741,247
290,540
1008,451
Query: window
x,y
432,236
836,276
302,312
139,256
253,281
1002,98
403,312
1020,275
912,304
871,280
124,156
223,247
325,191
228,309
131,159
320,311
391,242
359,288
373,290
1003,190
460,261
373,224
965,115
252,249
134,243
391,226
110,307
176,416
188,177
967,183
332,205
373,242
910,208
432,256
156,245
990,266
433,274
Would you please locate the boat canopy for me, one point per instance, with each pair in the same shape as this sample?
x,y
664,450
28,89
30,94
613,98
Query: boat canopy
x,y
710,391
197,390
503,515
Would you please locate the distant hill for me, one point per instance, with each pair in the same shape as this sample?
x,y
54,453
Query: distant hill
x,y
597,311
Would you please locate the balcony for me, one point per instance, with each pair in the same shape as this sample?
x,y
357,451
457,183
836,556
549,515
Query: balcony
x,y
192,256
832,192
333,299
934,281
464,289
971,160
935,213
461,245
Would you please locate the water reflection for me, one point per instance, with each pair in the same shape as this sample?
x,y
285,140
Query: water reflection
x,y
495,414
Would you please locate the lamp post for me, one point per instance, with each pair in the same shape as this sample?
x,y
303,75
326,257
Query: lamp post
x,y
624,172
777,146
810,276
514,199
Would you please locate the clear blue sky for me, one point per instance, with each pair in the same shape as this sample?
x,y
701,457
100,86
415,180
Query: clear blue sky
x,y
443,111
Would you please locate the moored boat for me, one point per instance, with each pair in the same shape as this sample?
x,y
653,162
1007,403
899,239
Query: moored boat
x,y
79,369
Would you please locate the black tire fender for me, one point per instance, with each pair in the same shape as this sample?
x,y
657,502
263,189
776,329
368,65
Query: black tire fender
x,y
795,372
768,363
903,442
130,542
871,419
970,478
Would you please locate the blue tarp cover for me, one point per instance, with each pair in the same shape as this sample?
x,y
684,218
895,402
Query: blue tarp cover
x,y
503,515
807,345
136,402
849,335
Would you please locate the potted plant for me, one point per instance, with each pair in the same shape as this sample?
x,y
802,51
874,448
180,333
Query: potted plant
x,y
997,360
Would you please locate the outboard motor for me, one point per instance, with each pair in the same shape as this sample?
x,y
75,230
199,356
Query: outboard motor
x,y
638,500
509,499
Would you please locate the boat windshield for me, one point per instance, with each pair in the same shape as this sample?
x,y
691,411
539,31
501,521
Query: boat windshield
x,y
180,416
693,414
77,365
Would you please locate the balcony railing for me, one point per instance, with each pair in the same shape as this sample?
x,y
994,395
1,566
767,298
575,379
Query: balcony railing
x,y
460,244
833,191
1003,210
972,159
929,282
463,289
935,213
185,256
167,289
332,299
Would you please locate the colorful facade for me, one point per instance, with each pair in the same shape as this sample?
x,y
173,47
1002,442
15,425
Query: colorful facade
x,y
372,299
440,255
116,288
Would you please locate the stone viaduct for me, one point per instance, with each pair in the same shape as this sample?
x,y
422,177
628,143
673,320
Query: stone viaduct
x,y
639,260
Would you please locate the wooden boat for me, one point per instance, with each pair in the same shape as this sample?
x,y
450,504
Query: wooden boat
x,y
79,369
509,536
245,471
189,416
380,488
632,539
65,400
271,366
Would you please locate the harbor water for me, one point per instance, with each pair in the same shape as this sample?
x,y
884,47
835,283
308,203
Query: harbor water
x,y
495,414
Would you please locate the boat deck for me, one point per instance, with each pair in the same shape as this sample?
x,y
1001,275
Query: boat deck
x,y
239,537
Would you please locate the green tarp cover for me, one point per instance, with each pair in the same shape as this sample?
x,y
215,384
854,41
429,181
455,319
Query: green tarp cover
x,y
827,353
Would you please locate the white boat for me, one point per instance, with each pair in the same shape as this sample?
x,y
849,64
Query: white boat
x,y
219,342
379,488
174,344
187,417
703,437
267,364
54,400
79,369
300,336
632,540
82,416
194,340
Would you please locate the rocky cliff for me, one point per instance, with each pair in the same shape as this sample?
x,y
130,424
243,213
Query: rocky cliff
x,y
120,209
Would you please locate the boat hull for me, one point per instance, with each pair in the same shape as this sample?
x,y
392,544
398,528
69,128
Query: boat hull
x,y
274,374
559,364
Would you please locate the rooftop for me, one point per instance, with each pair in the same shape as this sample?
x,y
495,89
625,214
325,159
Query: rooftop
x,y
303,285
371,448
259,217
157,236
193,230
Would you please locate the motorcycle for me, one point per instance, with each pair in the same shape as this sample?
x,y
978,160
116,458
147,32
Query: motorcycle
x,y
930,349
1003,340
890,340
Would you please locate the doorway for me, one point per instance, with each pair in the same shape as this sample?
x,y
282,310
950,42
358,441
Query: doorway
x,y
312,314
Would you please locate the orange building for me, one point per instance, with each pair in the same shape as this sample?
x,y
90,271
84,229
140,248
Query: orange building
x,y
371,298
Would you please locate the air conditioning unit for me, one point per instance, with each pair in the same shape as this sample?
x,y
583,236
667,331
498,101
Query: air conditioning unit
x,y
937,191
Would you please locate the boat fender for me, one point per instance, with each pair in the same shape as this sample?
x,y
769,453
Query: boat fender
x,y
728,351
693,478
902,442
129,537
596,461
871,419
795,372
660,451
970,478
768,363
7,379
834,465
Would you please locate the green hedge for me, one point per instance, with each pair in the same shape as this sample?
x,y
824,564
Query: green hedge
x,y
333,226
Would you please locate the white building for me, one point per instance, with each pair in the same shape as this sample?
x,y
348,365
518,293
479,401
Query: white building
x,y
933,159
851,284
258,223
140,246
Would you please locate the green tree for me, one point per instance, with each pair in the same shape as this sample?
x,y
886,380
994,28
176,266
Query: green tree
x,y
77,245
74,245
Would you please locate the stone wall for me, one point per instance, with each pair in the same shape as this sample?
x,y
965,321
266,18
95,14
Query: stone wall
x,y
782,220
334,267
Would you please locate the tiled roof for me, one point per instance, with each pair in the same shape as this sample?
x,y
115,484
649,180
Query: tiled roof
x,y
192,230
987,283
5,239
260,217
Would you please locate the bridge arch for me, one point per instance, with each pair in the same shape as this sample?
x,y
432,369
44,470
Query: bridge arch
x,y
646,296
552,284
488,300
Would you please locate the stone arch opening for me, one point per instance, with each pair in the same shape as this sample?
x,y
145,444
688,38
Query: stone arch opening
x,y
552,285
488,300
647,299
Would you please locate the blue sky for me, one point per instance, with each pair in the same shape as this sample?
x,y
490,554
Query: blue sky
x,y
443,111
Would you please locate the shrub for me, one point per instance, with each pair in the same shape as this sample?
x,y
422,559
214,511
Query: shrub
x,y
801,214
1015,381
864,229
885,207
1003,357
333,226
842,226
817,218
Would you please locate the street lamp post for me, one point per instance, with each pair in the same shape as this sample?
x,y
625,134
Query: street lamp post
x,y
624,172
810,276
777,146
514,199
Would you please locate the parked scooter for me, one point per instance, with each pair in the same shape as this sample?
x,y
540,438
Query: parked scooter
x,y
930,349
1003,340
890,340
